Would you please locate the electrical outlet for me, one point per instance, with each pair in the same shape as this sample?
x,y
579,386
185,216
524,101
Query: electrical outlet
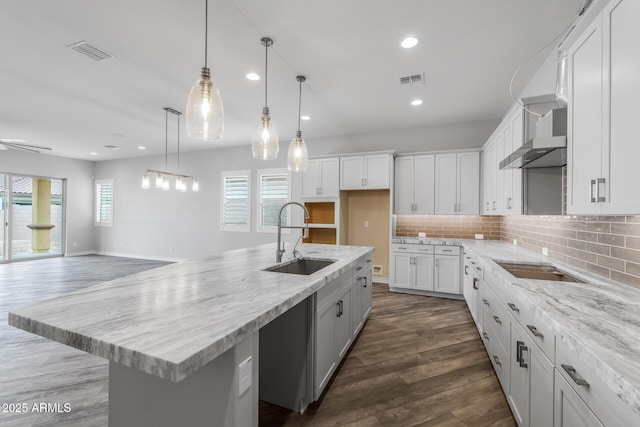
x,y
479,236
422,234
545,251
366,224
515,242
244,375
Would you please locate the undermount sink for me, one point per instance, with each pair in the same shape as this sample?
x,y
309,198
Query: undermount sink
x,y
538,272
304,266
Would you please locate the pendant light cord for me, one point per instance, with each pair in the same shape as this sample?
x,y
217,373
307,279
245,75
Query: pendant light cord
x,y
299,104
206,30
266,55
178,143
166,137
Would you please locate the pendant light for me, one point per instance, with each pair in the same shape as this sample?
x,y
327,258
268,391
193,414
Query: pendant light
x,y
298,158
264,141
205,113
163,176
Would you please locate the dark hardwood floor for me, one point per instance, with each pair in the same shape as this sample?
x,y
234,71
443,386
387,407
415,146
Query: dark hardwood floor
x,y
418,361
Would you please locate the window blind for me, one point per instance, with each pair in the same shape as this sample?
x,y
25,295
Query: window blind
x,y
274,192
236,200
104,203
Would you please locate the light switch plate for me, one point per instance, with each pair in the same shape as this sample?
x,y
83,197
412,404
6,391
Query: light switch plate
x,y
244,375
479,236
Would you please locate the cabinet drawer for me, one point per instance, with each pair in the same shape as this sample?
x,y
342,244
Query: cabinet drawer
x,y
447,250
600,398
499,358
541,332
495,317
364,262
410,248
326,294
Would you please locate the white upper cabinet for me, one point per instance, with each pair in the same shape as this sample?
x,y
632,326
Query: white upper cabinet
x,y
367,172
502,189
414,184
457,181
321,178
603,110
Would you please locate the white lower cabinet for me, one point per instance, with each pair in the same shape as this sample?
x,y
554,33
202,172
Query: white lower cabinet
x,y
530,381
447,274
412,267
569,410
341,308
542,371
471,282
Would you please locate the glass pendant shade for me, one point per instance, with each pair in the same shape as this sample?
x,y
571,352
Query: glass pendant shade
x,y
166,185
298,157
159,181
195,187
145,181
205,112
264,141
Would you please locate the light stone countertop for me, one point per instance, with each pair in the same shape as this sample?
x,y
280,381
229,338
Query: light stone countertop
x,y
599,320
174,319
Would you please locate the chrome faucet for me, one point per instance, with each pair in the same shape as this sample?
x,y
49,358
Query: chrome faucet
x,y
305,227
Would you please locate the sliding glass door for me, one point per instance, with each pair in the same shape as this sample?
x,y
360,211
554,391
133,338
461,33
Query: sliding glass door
x,y
33,210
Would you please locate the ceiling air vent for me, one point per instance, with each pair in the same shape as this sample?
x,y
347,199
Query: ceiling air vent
x,y
90,51
112,147
412,80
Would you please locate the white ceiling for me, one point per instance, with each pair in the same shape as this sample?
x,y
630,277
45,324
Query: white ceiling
x,y
348,49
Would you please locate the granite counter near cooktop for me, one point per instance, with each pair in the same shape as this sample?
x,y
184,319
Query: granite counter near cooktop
x,y
172,320
599,319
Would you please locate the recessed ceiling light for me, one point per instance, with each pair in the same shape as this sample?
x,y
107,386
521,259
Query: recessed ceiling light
x,y
141,147
93,153
305,117
253,76
416,102
409,42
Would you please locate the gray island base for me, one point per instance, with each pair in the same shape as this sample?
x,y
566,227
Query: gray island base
x,y
200,341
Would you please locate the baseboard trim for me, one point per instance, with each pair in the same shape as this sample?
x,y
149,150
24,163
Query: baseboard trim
x,y
80,253
426,293
376,279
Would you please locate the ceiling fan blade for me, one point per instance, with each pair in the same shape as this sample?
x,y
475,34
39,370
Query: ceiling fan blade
x,y
13,140
23,147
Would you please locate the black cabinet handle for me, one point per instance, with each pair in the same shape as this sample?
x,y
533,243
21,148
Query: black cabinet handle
x,y
520,347
574,376
497,319
475,283
535,331
485,336
366,281
484,300
497,359
513,307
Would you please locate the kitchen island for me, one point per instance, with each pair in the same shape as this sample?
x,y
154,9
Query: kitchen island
x,y
176,335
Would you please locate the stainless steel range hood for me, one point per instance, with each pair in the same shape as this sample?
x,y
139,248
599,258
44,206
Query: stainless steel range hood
x,y
546,144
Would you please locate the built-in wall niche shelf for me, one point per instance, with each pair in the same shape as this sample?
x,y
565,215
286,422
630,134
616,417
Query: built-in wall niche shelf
x,y
326,236
321,212
322,222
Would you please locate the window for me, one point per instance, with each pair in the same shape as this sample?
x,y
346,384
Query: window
x,y
273,189
236,196
104,202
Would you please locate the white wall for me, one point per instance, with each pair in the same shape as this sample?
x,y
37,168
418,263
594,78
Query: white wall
x,y
79,195
411,140
171,225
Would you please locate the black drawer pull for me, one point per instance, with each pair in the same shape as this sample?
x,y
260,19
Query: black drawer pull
x,y
513,307
484,300
574,376
497,359
485,336
535,331
497,319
